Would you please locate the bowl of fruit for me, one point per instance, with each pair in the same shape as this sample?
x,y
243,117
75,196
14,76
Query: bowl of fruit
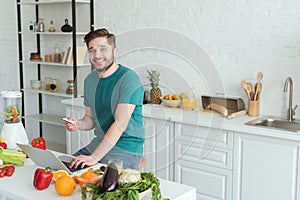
x,y
172,101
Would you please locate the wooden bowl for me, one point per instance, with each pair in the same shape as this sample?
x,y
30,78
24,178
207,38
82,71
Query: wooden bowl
x,y
171,103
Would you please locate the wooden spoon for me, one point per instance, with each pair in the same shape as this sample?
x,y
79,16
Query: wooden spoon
x,y
246,88
251,92
256,90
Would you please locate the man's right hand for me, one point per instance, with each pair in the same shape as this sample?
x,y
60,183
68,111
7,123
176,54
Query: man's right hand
x,y
74,126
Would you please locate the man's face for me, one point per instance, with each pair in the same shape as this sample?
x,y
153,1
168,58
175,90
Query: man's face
x,y
102,54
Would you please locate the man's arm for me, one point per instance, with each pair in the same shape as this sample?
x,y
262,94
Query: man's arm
x,y
86,123
122,117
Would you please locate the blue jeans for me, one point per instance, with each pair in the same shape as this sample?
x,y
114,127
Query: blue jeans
x,y
130,161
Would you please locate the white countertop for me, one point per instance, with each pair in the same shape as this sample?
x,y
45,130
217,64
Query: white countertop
x,y
206,119
20,187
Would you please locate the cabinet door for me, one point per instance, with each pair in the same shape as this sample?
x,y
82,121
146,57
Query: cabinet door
x,y
159,147
204,162
265,168
77,139
211,183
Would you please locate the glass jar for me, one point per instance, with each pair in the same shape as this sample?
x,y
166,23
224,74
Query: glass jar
x,y
70,87
41,25
53,85
47,83
56,55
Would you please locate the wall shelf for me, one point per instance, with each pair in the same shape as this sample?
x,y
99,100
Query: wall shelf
x,y
46,118
47,92
42,105
54,64
54,2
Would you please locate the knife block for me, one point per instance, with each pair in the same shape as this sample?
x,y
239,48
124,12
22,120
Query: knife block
x,y
233,104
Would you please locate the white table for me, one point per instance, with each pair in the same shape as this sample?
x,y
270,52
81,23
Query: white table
x,y
20,187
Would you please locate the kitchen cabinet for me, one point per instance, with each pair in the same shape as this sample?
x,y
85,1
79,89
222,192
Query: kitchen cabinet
x,y
232,161
42,108
202,162
265,168
159,147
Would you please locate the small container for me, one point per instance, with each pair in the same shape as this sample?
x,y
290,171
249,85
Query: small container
x,y
53,85
41,25
56,55
48,58
51,27
47,83
253,108
32,26
35,84
70,87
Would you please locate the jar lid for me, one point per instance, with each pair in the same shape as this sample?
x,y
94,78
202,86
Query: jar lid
x,y
70,81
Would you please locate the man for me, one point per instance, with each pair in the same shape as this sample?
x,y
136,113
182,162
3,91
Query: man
x,y
113,96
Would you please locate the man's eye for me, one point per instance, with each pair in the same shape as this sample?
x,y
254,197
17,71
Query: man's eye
x,y
92,51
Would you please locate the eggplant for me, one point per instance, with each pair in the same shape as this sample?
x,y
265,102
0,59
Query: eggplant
x,y
110,178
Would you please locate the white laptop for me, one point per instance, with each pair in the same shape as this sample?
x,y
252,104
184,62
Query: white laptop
x,y
46,158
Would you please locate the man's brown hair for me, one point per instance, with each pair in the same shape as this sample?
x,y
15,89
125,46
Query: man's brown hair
x,y
111,38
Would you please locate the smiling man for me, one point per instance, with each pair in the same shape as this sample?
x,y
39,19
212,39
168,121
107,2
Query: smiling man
x,y
113,96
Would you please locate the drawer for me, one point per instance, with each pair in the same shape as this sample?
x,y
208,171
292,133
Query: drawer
x,y
216,157
204,136
210,183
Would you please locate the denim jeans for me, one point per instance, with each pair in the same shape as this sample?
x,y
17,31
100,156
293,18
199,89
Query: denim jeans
x,y
130,161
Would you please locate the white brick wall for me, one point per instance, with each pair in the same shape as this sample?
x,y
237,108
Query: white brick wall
x,y
241,38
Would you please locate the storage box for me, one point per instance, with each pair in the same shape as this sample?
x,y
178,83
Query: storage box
x,y
233,104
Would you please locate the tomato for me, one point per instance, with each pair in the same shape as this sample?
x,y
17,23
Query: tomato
x,y
2,174
12,168
9,173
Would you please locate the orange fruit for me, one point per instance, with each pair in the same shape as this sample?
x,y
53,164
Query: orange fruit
x,y
88,174
65,185
58,174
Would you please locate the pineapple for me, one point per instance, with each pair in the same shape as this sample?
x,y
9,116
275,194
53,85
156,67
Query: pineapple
x,y
155,92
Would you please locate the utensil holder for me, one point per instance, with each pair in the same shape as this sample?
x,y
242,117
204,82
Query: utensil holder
x,y
253,108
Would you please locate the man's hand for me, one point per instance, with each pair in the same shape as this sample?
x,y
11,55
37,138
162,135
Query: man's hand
x,y
83,160
74,126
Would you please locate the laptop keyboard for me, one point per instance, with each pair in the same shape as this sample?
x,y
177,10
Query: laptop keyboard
x,y
73,169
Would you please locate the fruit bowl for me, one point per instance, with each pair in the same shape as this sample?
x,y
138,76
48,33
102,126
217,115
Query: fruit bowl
x,y
171,103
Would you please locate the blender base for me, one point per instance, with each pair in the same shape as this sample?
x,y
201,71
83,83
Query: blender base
x,y
14,133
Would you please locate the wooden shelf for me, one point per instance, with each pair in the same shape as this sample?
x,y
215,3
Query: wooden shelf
x,y
46,118
55,64
54,2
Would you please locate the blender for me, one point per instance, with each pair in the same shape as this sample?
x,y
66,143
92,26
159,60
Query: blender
x,y
13,130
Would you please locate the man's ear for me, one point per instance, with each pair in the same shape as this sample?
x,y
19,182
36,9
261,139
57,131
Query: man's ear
x,y
116,51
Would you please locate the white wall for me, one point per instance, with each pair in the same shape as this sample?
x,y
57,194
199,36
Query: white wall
x,y
240,37
9,55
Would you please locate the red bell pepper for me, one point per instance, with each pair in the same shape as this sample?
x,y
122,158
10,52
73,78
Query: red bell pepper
x,y
3,145
39,142
15,114
42,178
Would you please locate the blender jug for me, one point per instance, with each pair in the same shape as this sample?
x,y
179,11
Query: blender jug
x,y
11,105
13,130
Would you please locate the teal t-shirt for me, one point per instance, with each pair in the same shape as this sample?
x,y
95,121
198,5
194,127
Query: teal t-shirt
x,y
103,95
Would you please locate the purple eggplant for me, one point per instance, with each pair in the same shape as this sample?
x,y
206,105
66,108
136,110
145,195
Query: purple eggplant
x,y
110,178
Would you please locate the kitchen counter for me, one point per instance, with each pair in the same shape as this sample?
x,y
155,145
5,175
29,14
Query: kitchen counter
x,y
20,187
205,119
